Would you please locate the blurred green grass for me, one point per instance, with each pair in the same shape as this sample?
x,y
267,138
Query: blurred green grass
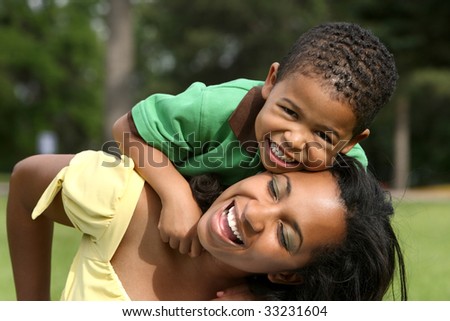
x,y
65,244
423,228
4,177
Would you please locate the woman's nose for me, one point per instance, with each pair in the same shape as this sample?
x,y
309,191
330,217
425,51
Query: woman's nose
x,y
256,215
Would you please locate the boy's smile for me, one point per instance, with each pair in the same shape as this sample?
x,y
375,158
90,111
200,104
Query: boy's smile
x,y
278,155
302,126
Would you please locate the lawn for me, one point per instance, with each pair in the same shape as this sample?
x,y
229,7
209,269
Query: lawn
x,y
423,228
424,234
64,248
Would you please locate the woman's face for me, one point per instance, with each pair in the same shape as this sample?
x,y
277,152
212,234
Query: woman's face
x,y
272,223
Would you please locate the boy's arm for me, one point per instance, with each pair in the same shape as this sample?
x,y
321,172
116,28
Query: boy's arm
x,y
30,241
180,213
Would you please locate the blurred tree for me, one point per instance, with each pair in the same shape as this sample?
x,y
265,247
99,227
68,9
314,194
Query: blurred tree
x,y
430,115
52,64
119,63
50,76
416,31
180,42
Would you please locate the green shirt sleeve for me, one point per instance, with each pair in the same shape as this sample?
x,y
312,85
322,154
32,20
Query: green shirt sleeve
x,y
187,124
358,153
170,122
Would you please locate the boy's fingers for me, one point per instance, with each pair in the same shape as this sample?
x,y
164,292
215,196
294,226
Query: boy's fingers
x,y
185,245
240,292
174,243
196,248
164,236
237,289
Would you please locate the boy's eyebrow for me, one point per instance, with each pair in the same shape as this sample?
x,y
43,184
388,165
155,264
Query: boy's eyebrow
x,y
301,113
290,102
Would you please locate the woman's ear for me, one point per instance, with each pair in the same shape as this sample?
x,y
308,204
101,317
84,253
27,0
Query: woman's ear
x,y
270,80
285,278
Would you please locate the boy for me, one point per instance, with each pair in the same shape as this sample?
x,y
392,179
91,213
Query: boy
x,y
316,104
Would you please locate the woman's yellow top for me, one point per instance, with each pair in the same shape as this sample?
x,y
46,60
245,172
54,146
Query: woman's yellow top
x,y
99,192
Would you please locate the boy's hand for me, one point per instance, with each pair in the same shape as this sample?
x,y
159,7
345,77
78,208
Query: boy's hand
x,y
239,292
178,223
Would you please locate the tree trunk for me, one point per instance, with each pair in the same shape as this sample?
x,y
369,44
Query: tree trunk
x,y
401,144
119,63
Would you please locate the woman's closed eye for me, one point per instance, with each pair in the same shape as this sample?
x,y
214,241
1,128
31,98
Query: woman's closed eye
x,y
273,189
281,234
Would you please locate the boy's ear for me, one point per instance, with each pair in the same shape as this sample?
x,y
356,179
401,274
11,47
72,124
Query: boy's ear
x,y
355,140
270,80
285,278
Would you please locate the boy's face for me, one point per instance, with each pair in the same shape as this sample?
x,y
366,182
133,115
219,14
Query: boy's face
x,y
301,127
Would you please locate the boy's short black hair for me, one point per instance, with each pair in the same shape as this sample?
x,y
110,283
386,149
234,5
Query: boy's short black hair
x,y
352,60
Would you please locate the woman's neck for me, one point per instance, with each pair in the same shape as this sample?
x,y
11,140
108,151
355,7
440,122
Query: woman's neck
x,y
205,275
218,270
150,270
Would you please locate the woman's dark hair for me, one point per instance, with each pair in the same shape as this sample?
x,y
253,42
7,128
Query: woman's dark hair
x,y
205,188
363,266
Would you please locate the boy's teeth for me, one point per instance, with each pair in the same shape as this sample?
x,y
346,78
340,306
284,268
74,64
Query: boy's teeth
x,y
274,148
232,223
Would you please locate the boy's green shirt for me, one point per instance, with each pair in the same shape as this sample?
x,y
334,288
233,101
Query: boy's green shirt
x,y
208,129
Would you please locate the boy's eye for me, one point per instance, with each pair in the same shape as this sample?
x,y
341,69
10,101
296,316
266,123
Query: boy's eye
x,y
289,112
325,137
273,188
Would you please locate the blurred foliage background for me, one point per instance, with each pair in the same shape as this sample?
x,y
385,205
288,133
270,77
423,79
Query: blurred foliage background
x,y
58,71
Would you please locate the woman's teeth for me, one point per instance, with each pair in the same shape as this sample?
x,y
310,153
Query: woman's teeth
x,y
278,153
231,218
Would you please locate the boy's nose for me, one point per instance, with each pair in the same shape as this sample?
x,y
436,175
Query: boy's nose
x,y
296,139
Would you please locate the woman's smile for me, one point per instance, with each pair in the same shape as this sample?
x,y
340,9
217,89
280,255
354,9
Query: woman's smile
x,y
258,225
235,235
224,224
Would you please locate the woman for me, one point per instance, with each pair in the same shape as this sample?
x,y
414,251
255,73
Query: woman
x,y
305,236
